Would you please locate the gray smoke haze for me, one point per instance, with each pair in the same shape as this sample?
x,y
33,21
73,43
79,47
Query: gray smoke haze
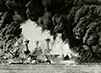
x,y
77,20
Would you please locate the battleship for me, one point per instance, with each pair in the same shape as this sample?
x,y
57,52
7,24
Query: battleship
x,y
22,55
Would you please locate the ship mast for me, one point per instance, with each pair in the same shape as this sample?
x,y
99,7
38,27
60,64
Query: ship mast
x,y
48,40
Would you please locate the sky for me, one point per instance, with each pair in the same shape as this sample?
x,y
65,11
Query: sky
x,y
32,32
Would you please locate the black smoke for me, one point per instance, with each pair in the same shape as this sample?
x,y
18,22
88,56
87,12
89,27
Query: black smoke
x,y
77,20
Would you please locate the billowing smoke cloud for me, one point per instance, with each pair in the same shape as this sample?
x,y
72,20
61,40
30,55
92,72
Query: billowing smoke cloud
x,y
77,20
3,6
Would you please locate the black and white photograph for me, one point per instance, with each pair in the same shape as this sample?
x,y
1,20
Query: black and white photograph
x,y
50,36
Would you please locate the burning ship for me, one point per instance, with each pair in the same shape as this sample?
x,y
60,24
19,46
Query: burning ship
x,y
47,56
22,55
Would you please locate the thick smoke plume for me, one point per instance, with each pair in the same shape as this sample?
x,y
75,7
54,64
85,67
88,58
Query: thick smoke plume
x,y
77,20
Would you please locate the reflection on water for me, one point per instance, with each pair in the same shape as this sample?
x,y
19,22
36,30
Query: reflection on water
x,y
54,68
